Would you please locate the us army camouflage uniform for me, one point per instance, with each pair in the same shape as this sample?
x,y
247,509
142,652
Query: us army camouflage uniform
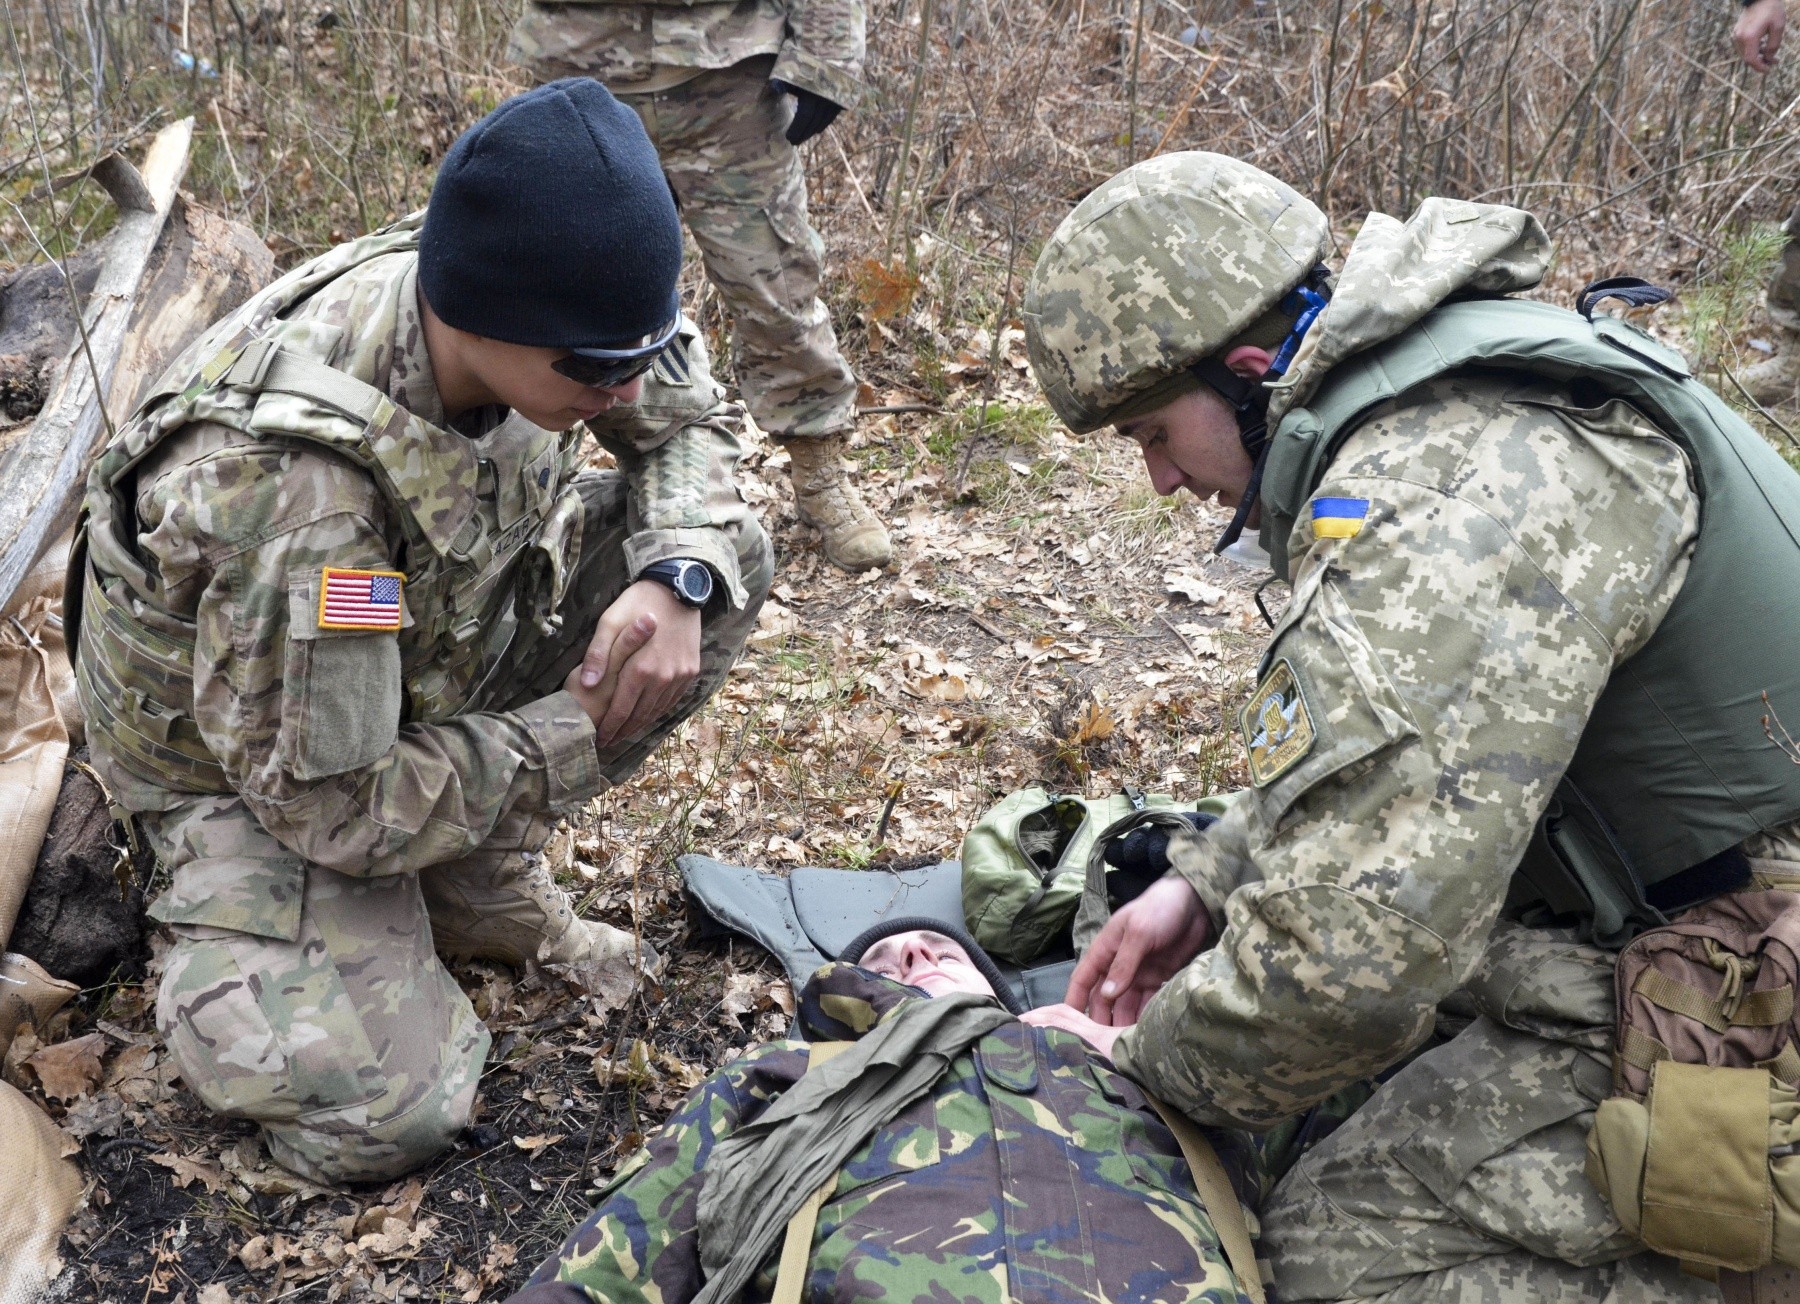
x,y
349,822
1784,286
1517,547
698,75
1777,379
1032,1174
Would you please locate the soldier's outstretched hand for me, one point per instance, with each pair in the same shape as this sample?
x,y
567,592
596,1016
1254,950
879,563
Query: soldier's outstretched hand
x,y
1145,944
644,655
1758,32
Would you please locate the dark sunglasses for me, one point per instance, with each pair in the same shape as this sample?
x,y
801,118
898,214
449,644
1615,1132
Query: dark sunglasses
x,y
610,368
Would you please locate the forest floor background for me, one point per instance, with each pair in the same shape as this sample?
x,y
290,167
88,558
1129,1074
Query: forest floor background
x,y
1048,619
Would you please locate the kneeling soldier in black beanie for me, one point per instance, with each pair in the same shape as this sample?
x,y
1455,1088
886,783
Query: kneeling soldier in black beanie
x,y
356,623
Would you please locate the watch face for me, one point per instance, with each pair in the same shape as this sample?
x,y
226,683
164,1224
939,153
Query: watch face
x,y
695,583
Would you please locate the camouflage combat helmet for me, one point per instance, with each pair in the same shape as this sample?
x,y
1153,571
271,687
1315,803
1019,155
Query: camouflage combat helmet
x,y
1161,267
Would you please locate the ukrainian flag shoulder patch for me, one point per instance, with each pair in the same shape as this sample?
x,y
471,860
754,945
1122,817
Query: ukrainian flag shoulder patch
x,y
1338,518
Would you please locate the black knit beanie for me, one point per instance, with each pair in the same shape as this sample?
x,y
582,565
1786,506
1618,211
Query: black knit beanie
x,y
551,224
983,962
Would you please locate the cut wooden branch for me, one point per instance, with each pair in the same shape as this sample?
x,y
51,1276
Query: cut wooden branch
x,y
166,271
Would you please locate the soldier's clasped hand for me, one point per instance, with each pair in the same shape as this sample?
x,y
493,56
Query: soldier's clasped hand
x,y
644,655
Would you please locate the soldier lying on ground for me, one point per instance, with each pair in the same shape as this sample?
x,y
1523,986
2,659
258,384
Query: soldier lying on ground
x,y
351,633
1544,591
1021,1166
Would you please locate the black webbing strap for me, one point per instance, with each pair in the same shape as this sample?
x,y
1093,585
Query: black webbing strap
x,y
1634,290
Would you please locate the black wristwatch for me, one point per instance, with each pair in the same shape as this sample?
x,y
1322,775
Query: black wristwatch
x,y
690,581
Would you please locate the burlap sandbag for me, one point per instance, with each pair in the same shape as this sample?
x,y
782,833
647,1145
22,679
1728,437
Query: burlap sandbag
x,y
39,1192
38,716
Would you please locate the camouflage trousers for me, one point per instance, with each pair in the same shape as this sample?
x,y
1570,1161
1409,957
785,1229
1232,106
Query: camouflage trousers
x,y
743,196
312,1002
1462,1179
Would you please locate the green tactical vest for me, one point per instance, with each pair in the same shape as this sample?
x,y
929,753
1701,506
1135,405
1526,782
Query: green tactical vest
x,y
1674,767
479,543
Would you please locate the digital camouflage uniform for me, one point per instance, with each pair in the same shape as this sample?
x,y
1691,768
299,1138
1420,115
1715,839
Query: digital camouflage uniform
x,y
698,75
328,802
1517,541
1032,1173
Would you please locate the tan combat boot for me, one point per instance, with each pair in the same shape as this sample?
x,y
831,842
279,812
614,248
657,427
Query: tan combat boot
x,y
855,539
28,995
1776,379
508,908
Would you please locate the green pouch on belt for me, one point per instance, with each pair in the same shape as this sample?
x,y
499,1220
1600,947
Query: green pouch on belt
x,y
1024,865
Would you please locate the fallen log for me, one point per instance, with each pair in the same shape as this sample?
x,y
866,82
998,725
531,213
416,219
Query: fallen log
x,y
83,916
81,342
165,272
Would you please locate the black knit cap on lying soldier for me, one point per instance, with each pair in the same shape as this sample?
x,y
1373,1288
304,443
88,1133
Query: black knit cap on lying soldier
x,y
984,963
551,224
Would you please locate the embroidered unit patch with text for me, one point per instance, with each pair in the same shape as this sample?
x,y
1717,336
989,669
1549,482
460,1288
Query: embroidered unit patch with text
x,y
1277,730
360,599
1338,518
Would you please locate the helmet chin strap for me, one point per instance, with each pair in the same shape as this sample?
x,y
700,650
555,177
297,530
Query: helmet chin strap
x,y
1249,399
1250,405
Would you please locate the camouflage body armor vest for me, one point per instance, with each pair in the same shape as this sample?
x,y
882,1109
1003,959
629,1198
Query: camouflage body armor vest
x,y
1674,769
480,542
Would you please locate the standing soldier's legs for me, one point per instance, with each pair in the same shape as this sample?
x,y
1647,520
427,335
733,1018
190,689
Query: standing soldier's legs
x,y
743,195
500,901
1777,380
311,1002
1463,1177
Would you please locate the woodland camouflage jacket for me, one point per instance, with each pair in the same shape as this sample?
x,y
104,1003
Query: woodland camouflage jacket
x,y
1032,1173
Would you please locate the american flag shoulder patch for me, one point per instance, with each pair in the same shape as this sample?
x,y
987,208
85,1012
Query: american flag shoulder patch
x,y
360,599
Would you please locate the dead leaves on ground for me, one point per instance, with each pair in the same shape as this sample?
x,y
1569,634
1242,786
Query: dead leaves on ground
x,y
189,1169
368,1249
69,1068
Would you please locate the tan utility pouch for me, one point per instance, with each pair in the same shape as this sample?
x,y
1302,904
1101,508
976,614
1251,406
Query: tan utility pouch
x,y
1699,1151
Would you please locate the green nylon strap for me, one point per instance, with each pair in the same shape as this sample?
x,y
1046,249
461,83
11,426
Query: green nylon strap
x,y
289,373
1764,1009
796,1248
1640,1050
1785,1067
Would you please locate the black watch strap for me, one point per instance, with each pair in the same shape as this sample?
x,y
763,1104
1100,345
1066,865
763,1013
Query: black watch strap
x,y
690,581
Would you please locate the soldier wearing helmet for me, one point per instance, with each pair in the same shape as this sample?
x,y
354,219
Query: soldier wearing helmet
x,y
1541,581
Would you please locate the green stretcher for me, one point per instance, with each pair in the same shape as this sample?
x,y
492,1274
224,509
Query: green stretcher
x,y
805,918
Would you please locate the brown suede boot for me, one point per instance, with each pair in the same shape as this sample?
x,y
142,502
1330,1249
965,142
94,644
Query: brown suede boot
x,y
509,908
854,537
1777,379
